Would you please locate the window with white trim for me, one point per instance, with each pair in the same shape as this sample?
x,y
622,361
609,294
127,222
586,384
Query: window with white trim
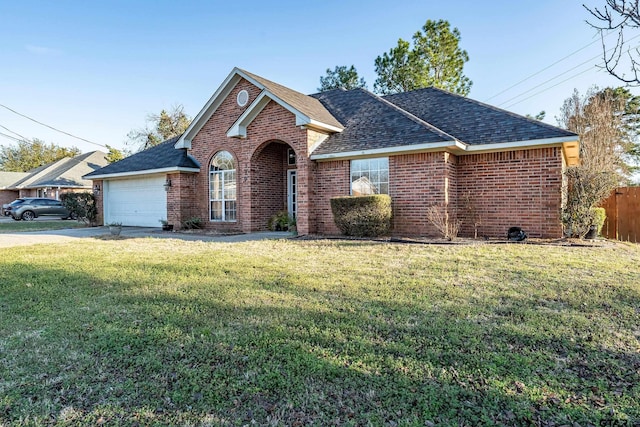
x,y
222,187
370,176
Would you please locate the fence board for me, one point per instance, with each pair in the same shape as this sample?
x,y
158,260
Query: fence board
x,y
623,215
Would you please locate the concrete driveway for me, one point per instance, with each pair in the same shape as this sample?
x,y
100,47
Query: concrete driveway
x,y
60,236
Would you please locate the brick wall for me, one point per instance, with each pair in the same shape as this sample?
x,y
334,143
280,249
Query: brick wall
x,y
260,175
331,179
8,196
516,188
416,182
183,189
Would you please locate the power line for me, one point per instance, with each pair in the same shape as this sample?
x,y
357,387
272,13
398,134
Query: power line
x,y
51,127
559,75
547,81
13,138
550,87
15,133
545,68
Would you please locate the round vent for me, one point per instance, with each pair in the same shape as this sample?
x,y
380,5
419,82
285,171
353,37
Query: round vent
x,y
242,98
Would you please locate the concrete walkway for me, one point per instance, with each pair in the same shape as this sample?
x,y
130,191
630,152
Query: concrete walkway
x,y
71,234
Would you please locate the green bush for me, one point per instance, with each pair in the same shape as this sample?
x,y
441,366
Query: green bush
x,y
362,216
81,206
280,221
599,215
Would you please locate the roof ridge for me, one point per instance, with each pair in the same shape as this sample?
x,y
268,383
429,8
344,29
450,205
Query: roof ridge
x,y
411,116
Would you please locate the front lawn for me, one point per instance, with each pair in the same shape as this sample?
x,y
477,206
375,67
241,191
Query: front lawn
x,y
38,225
164,332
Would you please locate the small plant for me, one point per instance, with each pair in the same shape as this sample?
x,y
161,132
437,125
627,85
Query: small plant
x,y
440,218
362,216
472,213
280,221
115,224
164,222
193,223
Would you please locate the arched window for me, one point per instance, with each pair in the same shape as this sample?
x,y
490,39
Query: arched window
x,y
222,187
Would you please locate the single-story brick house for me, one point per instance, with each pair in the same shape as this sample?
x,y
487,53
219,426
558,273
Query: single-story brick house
x,y
53,179
258,147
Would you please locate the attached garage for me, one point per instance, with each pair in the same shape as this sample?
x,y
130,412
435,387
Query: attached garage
x,y
132,191
136,201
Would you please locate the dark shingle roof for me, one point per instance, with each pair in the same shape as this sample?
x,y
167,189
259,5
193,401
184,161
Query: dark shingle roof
x,y
161,156
370,122
301,102
470,121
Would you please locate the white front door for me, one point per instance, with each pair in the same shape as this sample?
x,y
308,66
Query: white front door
x,y
292,193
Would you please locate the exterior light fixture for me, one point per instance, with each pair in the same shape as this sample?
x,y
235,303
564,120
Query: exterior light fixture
x,y
167,184
96,189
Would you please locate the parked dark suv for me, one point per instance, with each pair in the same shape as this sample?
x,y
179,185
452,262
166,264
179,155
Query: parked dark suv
x,y
32,208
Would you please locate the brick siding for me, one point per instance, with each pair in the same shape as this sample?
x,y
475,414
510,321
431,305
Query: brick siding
x,y
515,188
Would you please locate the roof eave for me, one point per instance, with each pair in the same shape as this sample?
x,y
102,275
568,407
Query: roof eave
x,y
401,149
143,172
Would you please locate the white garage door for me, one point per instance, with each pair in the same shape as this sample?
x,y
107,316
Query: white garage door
x,y
137,201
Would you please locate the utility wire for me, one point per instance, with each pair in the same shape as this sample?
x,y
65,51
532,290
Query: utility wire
x,y
13,138
547,81
15,133
51,127
545,68
560,75
550,87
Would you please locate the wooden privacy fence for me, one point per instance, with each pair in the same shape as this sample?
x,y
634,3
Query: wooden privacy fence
x,y
623,215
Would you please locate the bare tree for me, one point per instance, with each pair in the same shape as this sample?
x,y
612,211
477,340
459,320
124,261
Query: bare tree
x,y
622,16
604,141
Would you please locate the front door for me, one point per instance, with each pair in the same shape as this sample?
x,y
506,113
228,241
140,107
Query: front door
x,y
292,196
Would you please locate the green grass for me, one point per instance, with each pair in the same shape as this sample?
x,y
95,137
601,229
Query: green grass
x,y
162,332
18,226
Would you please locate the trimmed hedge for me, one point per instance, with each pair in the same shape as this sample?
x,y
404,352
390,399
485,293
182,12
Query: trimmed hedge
x,y
362,216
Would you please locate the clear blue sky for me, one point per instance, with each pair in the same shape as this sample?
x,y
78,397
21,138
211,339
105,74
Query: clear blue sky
x,y
96,69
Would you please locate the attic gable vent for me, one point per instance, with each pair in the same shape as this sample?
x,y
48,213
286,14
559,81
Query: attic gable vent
x,y
242,98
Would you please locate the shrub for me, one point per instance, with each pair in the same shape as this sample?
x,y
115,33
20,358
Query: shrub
x,y
280,221
193,223
81,205
599,215
362,216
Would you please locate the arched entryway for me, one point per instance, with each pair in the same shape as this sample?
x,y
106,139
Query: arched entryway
x,y
273,183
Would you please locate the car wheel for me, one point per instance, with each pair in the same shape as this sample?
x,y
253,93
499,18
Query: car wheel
x,y
28,215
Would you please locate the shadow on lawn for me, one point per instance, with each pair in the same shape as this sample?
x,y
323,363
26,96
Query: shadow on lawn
x,y
271,351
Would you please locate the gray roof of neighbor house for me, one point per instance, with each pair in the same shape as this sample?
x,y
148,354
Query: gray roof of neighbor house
x,y
470,121
9,178
65,173
161,156
371,122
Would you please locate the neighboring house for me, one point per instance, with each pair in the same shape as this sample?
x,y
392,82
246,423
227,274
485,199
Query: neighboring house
x,y
258,147
7,179
62,176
